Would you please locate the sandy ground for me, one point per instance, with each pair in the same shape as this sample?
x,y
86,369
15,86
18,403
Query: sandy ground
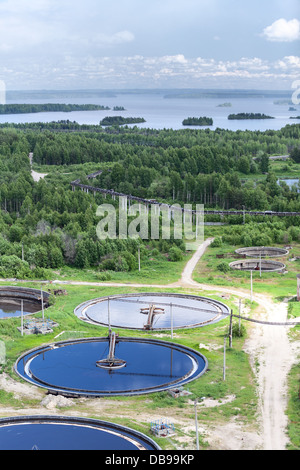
x,y
37,176
271,355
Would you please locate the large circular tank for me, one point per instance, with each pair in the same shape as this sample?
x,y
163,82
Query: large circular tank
x,y
68,433
90,367
11,297
155,311
263,251
257,265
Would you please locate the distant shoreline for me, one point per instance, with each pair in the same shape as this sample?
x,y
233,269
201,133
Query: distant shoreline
x,y
48,107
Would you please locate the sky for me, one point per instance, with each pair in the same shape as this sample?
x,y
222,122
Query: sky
x,y
126,44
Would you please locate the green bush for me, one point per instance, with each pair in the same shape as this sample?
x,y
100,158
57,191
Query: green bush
x,y
12,266
216,243
224,267
103,276
175,254
238,331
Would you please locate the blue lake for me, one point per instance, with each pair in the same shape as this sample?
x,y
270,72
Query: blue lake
x,y
161,112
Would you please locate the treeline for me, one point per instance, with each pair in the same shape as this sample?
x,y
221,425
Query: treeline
x,y
114,144
230,143
265,234
201,121
48,107
214,190
249,116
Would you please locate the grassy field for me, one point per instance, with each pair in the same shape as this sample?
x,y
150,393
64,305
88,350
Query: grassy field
x,y
154,270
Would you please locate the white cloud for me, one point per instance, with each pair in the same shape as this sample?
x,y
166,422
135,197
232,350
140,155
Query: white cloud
x,y
291,63
141,71
283,31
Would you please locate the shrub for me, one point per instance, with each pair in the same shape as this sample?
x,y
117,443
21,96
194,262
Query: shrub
x,y
103,276
175,254
12,266
216,243
224,267
238,332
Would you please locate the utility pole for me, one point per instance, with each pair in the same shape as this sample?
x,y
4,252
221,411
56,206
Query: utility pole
x,y
230,330
108,313
196,423
42,302
240,310
139,258
224,359
251,286
260,264
22,317
171,308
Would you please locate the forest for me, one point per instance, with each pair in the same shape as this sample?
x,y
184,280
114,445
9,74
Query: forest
x,y
46,225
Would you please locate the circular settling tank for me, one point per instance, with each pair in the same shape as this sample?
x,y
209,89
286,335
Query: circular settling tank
x,y
64,433
263,251
152,311
89,367
11,297
257,265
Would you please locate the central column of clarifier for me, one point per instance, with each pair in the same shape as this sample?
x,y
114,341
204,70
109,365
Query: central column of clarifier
x,y
111,362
